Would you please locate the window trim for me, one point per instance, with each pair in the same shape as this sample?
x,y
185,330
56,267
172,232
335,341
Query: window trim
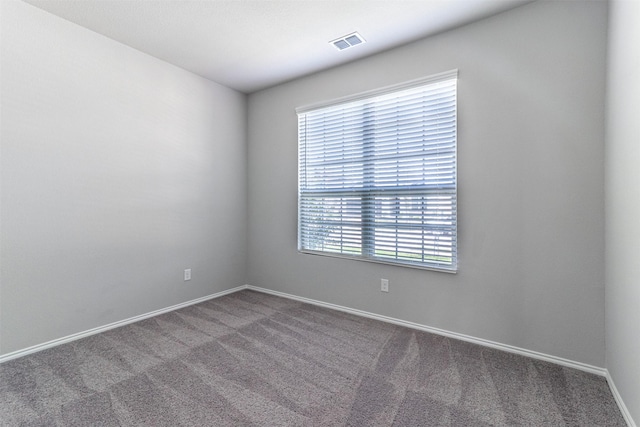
x,y
448,75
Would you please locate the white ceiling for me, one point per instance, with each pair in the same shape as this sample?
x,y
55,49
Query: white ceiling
x,y
252,44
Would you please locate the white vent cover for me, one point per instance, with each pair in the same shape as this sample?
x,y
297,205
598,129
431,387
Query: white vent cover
x,y
347,41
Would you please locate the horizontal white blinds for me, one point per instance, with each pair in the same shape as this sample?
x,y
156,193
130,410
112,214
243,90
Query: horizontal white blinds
x,y
377,176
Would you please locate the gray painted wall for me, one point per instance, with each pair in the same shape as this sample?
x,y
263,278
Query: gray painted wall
x,y
623,203
118,172
531,174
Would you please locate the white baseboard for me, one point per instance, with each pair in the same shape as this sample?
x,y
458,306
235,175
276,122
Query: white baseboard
x,y
79,335
486,343
623,408
438,331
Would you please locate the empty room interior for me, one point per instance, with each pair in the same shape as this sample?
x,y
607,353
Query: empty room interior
x,y
170,253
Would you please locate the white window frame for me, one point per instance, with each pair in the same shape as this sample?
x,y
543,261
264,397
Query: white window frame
x,y
357,197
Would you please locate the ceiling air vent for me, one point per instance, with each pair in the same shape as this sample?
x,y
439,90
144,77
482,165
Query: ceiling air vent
x,y
348,41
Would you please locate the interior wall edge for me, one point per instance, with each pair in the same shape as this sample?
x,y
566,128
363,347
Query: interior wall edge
x,y
362,313
474,340
425,328
84,334
442,332
618,398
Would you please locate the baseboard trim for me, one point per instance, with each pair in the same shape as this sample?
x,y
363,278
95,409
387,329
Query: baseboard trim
x,y
438,331
486,343
623,408
99,329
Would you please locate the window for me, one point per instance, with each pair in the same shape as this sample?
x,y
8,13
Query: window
x,y
377,175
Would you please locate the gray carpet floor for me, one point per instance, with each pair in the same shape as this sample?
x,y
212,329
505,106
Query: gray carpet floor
x,y
252,359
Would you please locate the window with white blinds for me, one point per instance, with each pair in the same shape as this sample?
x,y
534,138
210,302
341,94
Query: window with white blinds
x,y
377,175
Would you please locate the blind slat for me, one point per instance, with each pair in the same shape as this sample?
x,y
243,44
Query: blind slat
x,y
377,177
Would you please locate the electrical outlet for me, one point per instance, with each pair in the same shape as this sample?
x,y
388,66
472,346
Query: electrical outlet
x,y
384,285
187,274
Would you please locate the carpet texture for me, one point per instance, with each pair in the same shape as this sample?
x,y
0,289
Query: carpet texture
x,y
252,359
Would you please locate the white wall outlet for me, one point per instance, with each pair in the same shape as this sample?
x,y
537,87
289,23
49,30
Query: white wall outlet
x,y
187,274
384,285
